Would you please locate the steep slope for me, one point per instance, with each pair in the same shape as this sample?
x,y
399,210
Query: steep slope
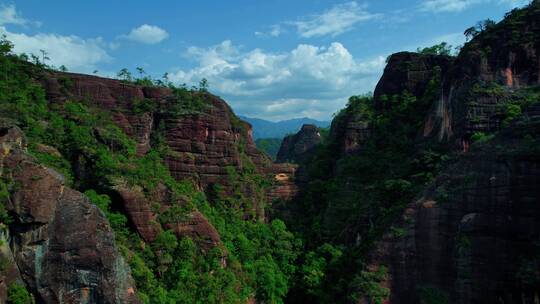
x,y
62,246
427,192
173,170
297,147
475,92
472,236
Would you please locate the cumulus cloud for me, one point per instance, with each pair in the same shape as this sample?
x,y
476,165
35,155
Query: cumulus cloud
x,y
72,51
438,6
148,34
306,81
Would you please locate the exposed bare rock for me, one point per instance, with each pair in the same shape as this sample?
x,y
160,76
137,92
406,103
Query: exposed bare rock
x,y
285,187
471,236
197,227
62,244
410,72
139,211
297,147
500,60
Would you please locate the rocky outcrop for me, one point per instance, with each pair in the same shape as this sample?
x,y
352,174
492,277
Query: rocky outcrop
x,y
500,60
204,144
142,212
296,148
118,97
285,186
204,141
205,138
62,244
197,227
349,131
472,236
408,72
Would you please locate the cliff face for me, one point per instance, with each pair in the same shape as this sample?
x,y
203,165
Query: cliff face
x,y
61,245
472,236
204,136
410,72
499,61
430,188
204,140
297,147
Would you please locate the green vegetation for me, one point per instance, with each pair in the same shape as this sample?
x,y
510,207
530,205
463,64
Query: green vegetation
x,y
96,156
369,284
17,294
442,48
351,200
431,295
269,145
481,137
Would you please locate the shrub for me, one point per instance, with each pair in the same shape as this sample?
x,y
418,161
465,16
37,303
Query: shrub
x,y
17,294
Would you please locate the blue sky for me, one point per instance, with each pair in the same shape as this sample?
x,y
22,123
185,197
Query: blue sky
x,y
272,59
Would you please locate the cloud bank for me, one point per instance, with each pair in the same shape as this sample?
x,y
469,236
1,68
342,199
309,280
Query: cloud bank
x,y
308,80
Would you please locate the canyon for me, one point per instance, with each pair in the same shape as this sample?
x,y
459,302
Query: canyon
x,y
426,192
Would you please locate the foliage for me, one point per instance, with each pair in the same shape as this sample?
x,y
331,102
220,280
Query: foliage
x,y
5,218
481,137
269,145
96,156
351,199
369,284
432,295
17,294
442,48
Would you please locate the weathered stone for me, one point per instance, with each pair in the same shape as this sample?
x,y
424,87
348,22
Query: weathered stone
x,y
62,244
408,72
296,148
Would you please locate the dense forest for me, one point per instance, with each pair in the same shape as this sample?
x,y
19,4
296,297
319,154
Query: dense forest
x,y
425,191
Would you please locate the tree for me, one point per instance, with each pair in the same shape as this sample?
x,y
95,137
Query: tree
x,y
124,74
17,294
485,25
5,46
141,71
63,68
203,85
470,33
442,48
44,56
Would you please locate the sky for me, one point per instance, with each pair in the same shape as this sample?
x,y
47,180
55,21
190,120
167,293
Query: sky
x,y
271,59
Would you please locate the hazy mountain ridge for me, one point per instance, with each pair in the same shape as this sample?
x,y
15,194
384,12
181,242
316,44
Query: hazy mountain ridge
x,y
269,129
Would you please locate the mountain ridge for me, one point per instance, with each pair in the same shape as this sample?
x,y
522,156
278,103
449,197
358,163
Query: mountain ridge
x,y
268,129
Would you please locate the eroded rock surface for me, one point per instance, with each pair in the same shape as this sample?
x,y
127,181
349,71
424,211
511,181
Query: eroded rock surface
x,y
296,148
62,244
472,236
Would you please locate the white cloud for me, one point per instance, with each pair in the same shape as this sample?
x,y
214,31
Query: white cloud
x,y
335,21
438,6
9,15
447,5
308,80
72,51
149,34
275,31
515,3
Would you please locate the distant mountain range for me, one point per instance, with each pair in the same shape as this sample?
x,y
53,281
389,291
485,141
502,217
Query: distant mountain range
x,y
269,129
